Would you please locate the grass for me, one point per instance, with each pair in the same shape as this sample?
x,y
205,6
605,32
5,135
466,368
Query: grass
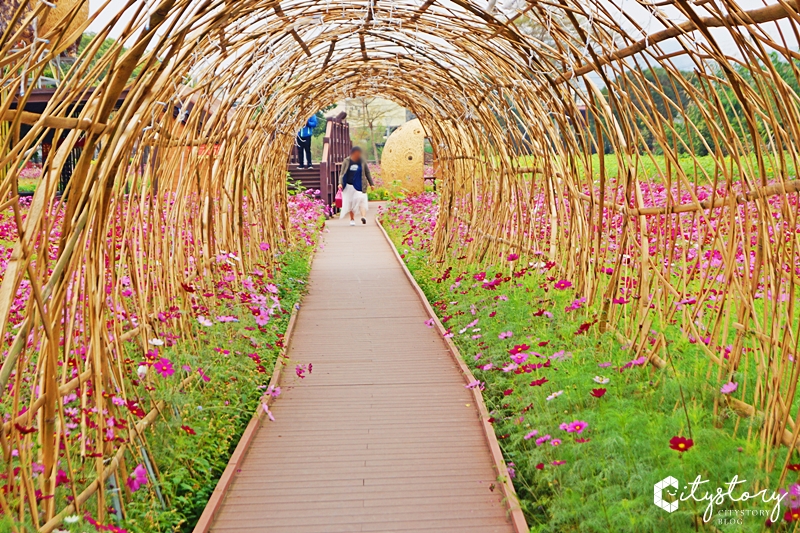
x,y
606,480
700,170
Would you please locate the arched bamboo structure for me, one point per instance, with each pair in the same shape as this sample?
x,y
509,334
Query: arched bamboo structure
x,y
516,95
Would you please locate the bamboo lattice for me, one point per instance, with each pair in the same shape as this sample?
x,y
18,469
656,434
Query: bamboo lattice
x,y
187,120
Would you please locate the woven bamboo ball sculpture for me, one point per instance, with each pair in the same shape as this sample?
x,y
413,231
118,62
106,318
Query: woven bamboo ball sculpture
x,y
53,17
403,157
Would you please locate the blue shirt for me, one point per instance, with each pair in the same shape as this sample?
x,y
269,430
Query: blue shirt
x,y
308,130
354,176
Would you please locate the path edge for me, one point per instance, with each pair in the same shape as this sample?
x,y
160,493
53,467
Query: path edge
x,y
517,517
218,496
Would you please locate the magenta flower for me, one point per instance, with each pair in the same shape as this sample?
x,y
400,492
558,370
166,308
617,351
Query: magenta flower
x,y
729,388
530,435
264,246
513,257
164,367
203,375
541,440
138,478
555,442
577,426
562,285
429,322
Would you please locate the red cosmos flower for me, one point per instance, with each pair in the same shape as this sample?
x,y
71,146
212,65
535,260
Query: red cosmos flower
x,y
598,393
519,348
540,466
794,468
792,515
189,430
508,392
680,444
583,328
24,430
538,382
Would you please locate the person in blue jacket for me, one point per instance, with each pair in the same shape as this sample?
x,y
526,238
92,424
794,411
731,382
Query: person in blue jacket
x,y
304,143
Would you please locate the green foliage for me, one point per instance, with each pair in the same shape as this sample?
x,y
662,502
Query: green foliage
x,y
606,483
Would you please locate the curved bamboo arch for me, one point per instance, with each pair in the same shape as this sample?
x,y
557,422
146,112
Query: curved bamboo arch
x,y
517,96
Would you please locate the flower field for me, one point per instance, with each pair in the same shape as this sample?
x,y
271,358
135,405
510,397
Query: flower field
x,y
587,422
196,379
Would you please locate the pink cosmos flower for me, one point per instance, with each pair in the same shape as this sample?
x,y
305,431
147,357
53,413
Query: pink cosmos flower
x,y
530,435
574,306
262,318
227,318
555,442
301,370
429,322
164,367
203,375
541,440
505,335
264,246
562,285
267,411
138,478
520,358
729,388
577,426
272,288
205,321
474,384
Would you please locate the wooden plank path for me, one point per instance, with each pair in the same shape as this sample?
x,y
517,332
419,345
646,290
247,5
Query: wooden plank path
x,y
382,435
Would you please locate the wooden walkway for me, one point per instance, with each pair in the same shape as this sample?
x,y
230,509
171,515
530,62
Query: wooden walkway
x,y
382,435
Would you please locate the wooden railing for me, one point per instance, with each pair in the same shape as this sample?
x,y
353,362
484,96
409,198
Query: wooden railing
x,y
335,147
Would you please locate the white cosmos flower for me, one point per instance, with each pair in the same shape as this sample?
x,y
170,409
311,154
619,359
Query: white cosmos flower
x,y
601,380
156,342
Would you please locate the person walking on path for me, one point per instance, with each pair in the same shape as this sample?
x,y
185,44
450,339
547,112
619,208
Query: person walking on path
x,y
304,143
351,183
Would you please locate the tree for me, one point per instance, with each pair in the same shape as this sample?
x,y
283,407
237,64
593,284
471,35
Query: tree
x,y
372,114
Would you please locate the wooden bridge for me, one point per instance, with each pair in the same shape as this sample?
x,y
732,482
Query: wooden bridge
x,y
381,434
335,147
